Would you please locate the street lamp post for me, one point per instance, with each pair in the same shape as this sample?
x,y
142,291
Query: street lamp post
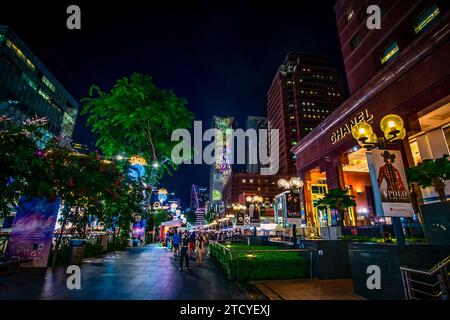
x,y
255,200
293,184
393,129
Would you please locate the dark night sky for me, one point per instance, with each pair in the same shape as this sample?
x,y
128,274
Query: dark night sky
x,y
220,55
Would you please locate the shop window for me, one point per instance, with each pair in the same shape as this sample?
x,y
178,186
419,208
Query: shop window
x,y
426,18
389,53
415,152
447,136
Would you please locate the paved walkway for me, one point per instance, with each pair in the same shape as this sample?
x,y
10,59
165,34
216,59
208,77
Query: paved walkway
x,y
339,289
150,272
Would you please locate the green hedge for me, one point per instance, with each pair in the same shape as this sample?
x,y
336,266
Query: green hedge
x,y
248,265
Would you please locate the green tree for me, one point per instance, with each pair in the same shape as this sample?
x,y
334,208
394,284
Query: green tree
x,y
136,117
431,173
191,217
337,199
118,211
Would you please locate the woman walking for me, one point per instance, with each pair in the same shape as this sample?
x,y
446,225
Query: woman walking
x,y
200,248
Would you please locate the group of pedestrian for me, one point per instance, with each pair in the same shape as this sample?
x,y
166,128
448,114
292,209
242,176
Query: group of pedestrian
x,y
186,244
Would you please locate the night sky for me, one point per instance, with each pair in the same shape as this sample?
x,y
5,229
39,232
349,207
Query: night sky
x,y
219,55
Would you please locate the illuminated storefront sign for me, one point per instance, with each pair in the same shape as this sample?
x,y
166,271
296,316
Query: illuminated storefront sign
x,y
342,132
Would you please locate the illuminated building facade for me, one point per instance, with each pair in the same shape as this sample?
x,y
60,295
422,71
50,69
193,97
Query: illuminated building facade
x,y
221,170
27,88
401,70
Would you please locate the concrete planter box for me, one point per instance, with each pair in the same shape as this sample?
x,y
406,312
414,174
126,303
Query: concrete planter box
x,y
389,258
330,258
436,222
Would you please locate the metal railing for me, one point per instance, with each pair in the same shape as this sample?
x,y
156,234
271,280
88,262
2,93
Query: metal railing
x,y
234,263
431,284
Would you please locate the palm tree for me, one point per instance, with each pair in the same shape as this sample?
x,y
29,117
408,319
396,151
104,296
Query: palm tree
x,y
337,199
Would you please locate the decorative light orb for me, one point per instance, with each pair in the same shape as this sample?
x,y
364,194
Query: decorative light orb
x,y
362,131
401,135
282,183
156,165
249,199
391,125
372,139
296,182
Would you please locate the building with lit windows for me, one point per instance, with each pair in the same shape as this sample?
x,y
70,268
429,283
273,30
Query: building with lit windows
x,y
402,69
255,165
305,90
28,89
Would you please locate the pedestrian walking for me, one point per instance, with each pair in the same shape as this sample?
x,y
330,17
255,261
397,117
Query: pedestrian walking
x,y
192,238
184,251
200,248
176,243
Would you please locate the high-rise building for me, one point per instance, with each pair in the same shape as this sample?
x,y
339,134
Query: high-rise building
x,y
28,89
199,200
221,169
255,165
304,91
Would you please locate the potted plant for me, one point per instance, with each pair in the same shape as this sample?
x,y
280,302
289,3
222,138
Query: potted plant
x,y
436,216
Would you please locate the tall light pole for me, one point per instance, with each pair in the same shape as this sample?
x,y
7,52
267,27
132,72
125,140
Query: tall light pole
x,y
394,132
294,183
255,200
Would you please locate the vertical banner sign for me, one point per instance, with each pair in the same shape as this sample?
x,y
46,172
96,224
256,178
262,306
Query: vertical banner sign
x,y
138,228
293,208
247,216
32,232
240,218
254,215
391,182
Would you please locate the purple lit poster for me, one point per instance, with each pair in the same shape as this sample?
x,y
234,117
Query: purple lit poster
x,y
32,232
138,228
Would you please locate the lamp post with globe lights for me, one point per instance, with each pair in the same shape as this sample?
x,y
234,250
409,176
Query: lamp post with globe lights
x,y
293,183
255,200
394,132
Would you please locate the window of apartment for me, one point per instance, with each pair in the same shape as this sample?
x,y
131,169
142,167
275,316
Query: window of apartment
x,y
389,53
426,18
20,54
350,14
29,81
44,95
354,42
48,83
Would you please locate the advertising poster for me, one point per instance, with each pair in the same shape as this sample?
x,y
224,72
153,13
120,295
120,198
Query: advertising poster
x,y
32,232
240,216
294,215
138,228
391,183
254,213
